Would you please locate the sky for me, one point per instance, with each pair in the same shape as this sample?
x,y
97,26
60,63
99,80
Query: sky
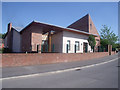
x,y
20,14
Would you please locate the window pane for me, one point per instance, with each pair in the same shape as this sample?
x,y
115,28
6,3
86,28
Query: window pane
x,y
77,45
68,42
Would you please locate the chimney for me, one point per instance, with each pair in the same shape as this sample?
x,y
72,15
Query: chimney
x,y
9,27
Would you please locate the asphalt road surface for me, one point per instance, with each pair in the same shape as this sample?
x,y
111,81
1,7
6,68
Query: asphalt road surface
x,y
100,76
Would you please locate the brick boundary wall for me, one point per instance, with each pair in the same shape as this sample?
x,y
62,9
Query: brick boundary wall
x,y
10,60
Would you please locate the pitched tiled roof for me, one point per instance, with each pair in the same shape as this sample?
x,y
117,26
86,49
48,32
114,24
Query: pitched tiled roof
x,y
85,24
81,26
59,27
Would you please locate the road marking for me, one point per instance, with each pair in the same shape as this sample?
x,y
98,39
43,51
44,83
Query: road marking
x,y
59,71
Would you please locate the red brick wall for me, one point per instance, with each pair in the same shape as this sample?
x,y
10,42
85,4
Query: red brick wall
x,y
36,40
26,40
9,60
30,38
93,30
10,39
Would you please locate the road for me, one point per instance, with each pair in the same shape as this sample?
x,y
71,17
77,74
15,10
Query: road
x,y
99,76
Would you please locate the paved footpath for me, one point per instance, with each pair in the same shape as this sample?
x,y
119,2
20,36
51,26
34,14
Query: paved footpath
x,y
27,70
100,75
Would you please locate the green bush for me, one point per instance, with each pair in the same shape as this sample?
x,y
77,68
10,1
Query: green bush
x,y
0,50
5,50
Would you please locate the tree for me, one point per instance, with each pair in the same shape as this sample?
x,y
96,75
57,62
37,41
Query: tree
x,y
0,35
104,42
92,41
117,45
108,36
3,35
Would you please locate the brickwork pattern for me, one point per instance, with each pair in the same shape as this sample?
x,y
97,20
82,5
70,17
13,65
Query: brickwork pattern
x,y
31,37
9,60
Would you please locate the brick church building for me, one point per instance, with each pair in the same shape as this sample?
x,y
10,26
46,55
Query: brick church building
x,y
39,37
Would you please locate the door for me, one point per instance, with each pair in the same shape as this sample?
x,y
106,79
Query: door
x,y
85,47
77,48
68,46
37,48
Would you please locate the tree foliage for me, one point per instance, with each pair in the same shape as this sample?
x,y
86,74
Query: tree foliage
x,y
108,36
2,35
91,41
104,42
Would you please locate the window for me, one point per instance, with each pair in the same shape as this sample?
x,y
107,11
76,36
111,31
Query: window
x,y
68,42
43,41
91,25
97,39
77,45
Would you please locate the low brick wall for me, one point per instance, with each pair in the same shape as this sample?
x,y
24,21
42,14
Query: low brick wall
x,y
9,60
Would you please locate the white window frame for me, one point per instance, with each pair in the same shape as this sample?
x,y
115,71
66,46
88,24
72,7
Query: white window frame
x,y
69,46
77,43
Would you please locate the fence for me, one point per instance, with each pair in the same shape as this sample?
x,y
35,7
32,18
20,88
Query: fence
x,y
45,48
73,48
58,48
102,49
